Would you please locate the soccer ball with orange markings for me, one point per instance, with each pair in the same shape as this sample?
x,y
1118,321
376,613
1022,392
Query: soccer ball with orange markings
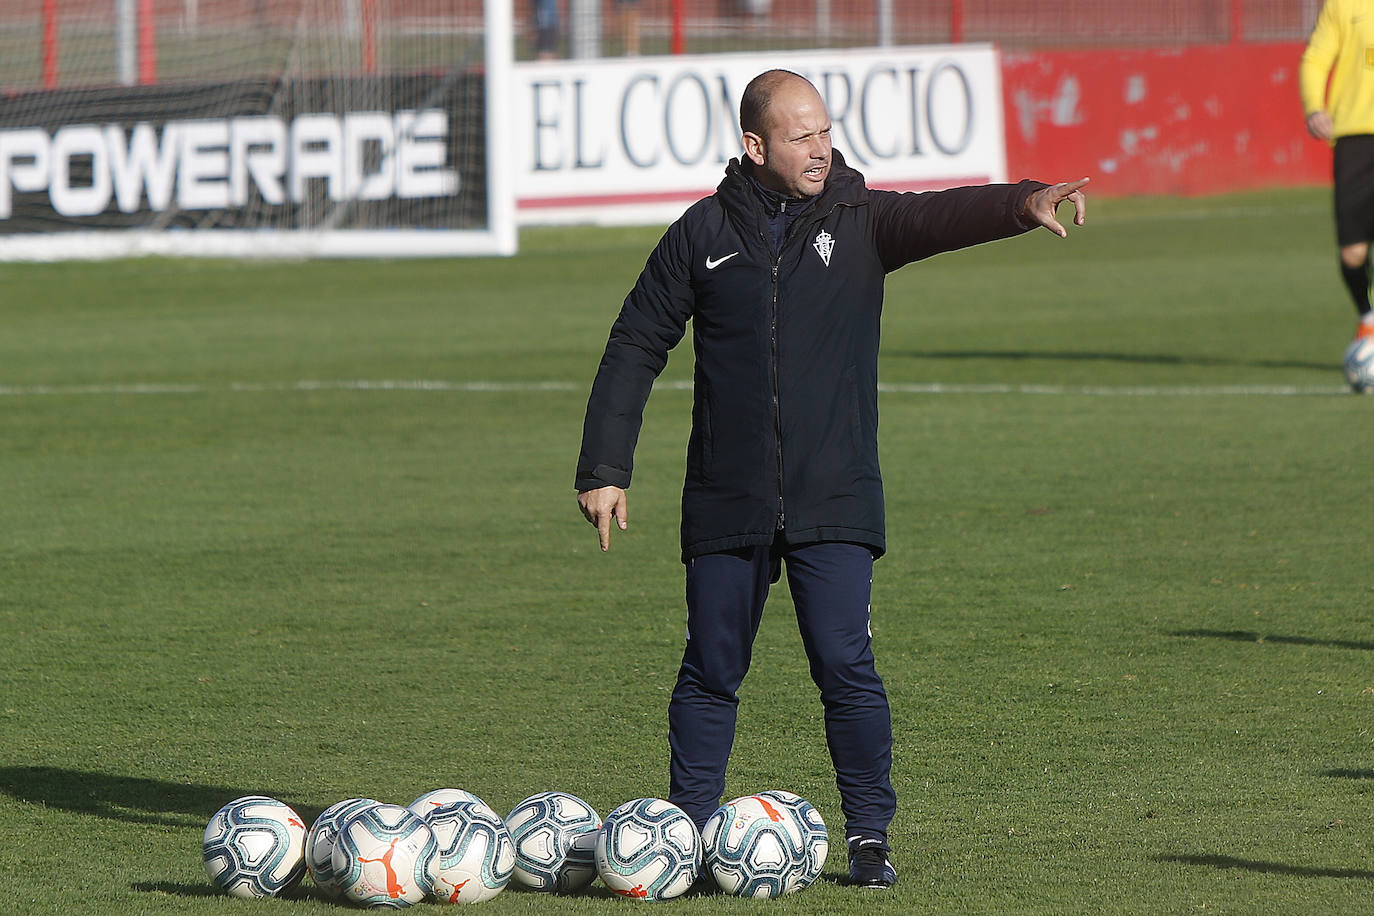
x,y
1358,364
813,826
255,847
319,842
764,845
648,849
385,856
555,842
434,799
475,857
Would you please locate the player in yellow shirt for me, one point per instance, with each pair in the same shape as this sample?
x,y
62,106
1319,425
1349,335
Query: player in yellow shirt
x,y
1341,52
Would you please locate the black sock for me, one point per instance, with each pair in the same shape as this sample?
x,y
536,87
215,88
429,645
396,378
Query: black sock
x,y
1357,281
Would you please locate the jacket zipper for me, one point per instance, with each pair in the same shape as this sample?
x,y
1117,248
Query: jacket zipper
x,y
773,342
777,404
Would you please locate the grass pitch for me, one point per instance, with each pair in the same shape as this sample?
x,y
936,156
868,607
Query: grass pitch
x,y
1125,620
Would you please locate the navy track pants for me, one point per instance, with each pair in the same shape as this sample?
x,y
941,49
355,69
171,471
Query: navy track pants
x,y
830,584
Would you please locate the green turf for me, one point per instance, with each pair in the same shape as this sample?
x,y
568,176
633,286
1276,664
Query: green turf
x,y
1125,621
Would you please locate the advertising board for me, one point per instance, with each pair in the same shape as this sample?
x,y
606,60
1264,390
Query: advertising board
x,y
638,140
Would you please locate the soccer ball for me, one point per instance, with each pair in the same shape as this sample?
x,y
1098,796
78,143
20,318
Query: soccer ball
x,y
476,855
555,842
648,848
764,845
319,843
817,838
1358,364
384,855
255,847
431,800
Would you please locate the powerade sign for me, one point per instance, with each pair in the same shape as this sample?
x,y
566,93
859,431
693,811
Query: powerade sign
x,y
355,153
613,140
216,163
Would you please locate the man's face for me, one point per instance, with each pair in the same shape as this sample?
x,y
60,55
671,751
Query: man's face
x,y
793,155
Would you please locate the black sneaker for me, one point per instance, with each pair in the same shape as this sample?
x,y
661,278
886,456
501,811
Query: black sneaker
x,y
869,865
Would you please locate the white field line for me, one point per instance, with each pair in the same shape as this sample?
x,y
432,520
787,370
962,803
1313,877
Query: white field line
x,y
931,388
1139,391
1239,211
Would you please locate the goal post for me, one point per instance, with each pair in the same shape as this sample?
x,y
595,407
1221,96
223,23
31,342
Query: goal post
x,y
276,128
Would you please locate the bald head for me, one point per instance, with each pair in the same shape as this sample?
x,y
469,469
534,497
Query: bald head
x,y
786,133
762,92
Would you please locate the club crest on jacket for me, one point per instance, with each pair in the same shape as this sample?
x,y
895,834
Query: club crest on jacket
x,y
824,245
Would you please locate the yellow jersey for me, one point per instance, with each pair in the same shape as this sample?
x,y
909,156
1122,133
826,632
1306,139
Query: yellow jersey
x,y
1341,47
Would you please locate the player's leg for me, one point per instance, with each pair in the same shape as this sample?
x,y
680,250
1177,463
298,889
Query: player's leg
x,y
831,585
1356,275
725,598
1353,191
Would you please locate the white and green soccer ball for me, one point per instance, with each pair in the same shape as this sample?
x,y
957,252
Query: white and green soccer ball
x,y
439,797
319,842
475,854
812,826
648,849
764,845
555,842
1358,364
385,856
254,847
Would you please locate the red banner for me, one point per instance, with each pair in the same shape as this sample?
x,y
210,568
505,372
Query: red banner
x,y
1193,120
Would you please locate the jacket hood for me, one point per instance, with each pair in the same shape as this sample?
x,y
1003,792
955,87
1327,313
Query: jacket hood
x,y
842,184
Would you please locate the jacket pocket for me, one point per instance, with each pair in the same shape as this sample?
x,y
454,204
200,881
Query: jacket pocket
x,y
863,426
701,442
850,386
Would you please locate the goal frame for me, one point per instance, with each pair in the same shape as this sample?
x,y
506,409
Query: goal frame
x,y
499,237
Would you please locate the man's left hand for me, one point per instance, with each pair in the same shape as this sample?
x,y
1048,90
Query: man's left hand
x,y
1040,206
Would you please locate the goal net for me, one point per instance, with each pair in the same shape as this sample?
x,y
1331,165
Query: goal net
x,y
254,128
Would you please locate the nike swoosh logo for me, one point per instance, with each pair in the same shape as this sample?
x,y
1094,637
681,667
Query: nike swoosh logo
x,y
712,265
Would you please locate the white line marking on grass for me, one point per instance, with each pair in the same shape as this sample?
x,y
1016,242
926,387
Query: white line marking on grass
x,y
479,387
138,388
305,385
403,385
1239,211
1139,391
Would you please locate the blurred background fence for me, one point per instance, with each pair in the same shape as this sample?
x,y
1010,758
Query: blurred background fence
x,y
1169,96
71,43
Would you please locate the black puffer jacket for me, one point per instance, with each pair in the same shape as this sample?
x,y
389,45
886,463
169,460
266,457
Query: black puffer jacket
x,y
784,435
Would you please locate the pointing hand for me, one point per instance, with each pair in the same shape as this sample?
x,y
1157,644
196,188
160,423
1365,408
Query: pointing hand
x,y
1041,205
600,506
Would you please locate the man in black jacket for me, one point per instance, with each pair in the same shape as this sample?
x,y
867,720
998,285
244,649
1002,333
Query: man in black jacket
x,y
781,272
